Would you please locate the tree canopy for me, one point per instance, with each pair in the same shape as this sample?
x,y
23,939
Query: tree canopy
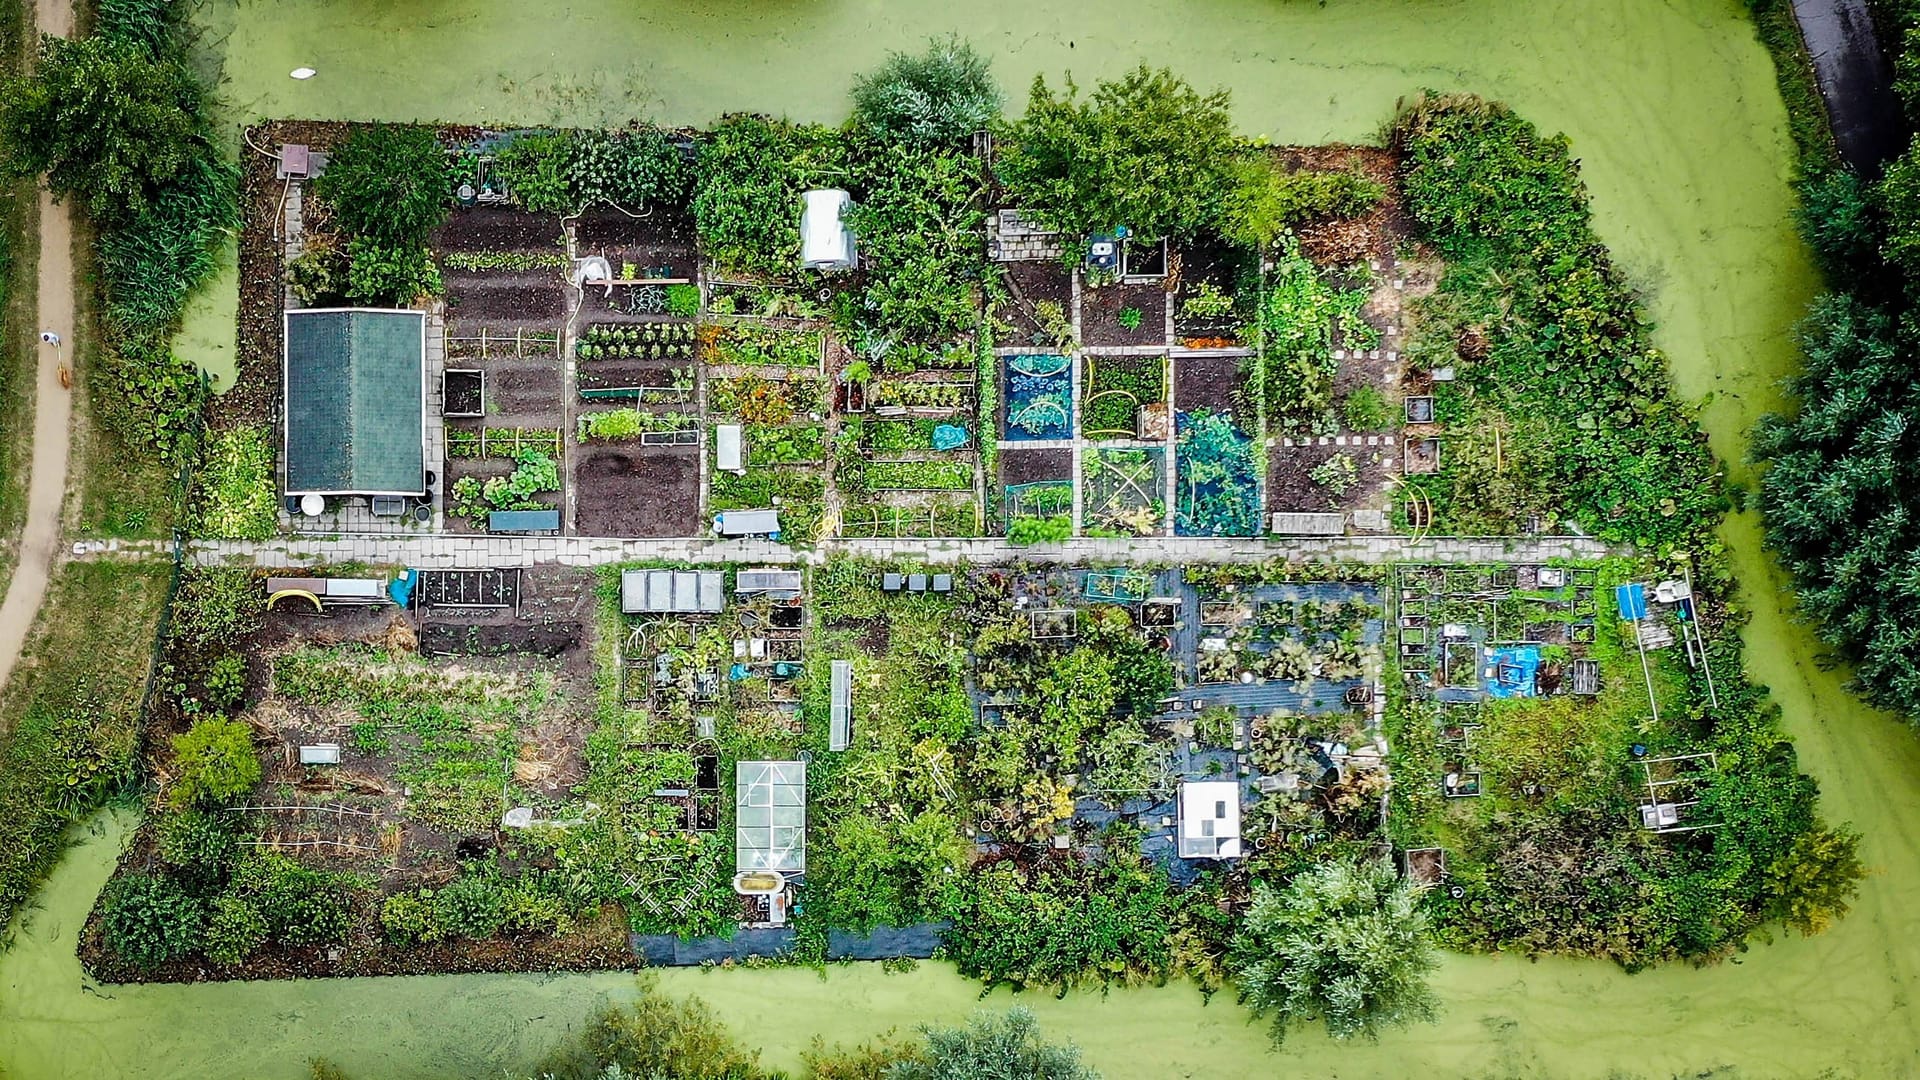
x,y
388,182
106,119
1146,151
936,97
1344,942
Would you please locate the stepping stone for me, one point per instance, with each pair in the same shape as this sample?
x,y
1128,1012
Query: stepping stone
x,y
1339,440
1339,354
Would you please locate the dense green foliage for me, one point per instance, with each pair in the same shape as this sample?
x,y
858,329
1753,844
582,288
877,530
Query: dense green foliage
x,y
119,123
937,97
215,763
388,183
149,919
1005,1047
1062,923
1567,348
111,123
1146,151
1265,201
1344,942
746,202
635,169
1839,496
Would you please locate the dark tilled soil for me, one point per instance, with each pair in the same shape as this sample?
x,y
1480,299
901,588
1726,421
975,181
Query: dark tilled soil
x,y
660,239
1033,466
503,301
465,639
1206,382
638,491
1030,283
1211,262
1290,485
1100,315
523,392
614,374
498,228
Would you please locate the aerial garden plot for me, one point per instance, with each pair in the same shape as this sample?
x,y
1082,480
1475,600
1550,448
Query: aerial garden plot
x,y
1050,774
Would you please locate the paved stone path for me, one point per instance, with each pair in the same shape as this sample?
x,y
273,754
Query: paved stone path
x,y
443,552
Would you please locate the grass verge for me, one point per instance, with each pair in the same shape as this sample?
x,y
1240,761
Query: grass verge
x,y
1793,70
70,714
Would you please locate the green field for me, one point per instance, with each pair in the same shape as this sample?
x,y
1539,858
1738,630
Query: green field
x,y
1673,111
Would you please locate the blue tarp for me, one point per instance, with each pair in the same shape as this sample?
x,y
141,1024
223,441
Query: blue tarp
x,y
1632,602
1512,670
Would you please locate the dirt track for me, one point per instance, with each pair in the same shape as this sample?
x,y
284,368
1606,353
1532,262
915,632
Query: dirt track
x,y
52,407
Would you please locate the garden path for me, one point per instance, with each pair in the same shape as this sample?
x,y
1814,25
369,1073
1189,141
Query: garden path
x,y
447,551
52,405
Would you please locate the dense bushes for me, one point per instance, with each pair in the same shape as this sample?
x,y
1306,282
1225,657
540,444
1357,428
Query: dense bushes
x,y
388,183
1564,341
746,200
1344,942
149,919
120,124
215,763
938,97
1839,495
1062,923
1146,151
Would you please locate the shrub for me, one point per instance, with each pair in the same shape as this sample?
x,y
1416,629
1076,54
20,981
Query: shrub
x,y
654,1036
104,119
390,276
301,906
471,907
238,497
1147,151
1344,942
634,169
215,763
940,96
408,918
993,1046
388,183
149,920
534,169
1061,923
200,845
235,929
744,198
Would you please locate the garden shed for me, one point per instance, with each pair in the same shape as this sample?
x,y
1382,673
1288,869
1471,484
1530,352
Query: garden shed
x,y
770,816
1210,819
354,384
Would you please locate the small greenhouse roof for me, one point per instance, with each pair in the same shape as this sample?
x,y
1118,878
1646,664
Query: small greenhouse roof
x,y
770,816
1210,819
355,393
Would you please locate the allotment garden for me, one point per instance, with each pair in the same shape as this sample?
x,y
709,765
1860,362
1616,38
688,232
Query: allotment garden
x,y
911,359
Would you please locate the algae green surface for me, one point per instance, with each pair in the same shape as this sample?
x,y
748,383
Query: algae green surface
x,y
1671,107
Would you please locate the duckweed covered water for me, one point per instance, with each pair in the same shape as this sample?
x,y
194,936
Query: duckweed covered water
x,y
1672,109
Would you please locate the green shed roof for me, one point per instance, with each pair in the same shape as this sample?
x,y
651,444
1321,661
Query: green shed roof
x,y
354,399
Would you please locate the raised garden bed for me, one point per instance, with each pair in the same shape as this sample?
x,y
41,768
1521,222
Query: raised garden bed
x,y
1123,315
1038,395
1116,389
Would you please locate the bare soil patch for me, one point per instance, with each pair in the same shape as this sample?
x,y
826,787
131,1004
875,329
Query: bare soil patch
x,y
1029,284
1206,382
638,491
1101,311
